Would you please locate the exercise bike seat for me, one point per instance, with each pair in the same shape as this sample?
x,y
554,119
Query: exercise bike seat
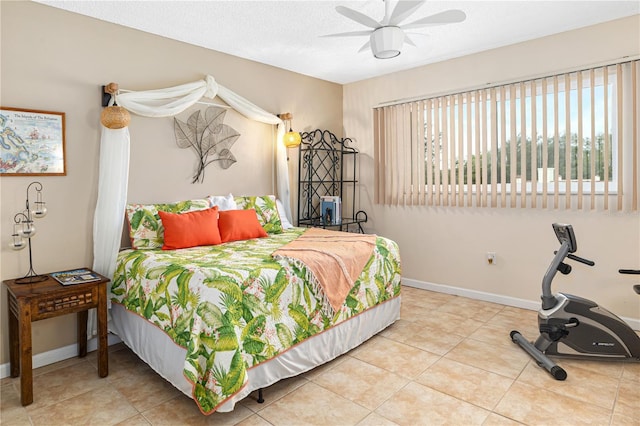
x,y
636,288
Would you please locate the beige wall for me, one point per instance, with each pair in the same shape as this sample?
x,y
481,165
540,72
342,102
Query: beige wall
x,y
55,60
447,245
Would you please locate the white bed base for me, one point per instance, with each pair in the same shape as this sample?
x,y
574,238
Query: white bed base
x,y
156,349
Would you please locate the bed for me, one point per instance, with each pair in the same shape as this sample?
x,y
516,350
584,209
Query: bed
x,y
220,321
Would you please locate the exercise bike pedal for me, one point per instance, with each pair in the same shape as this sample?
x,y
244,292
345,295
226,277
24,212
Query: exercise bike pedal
x,y
556,329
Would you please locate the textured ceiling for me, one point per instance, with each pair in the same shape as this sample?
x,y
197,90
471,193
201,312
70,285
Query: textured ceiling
x,y
286,34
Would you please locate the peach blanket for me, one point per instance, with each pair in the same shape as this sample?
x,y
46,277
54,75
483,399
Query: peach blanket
x,y
336,259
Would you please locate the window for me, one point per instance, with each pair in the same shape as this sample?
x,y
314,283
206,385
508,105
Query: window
x,y
565,141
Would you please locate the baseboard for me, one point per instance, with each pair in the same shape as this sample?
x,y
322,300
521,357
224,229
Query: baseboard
x,y
492,297
60,354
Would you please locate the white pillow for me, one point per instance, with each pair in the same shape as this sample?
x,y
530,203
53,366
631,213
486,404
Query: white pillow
x,y
283,216
224,202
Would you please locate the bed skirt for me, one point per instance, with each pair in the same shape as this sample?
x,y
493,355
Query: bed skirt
x,y
157,349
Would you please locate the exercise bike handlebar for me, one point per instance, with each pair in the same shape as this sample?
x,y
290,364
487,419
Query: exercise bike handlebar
x,y
581,259
587,261
548,299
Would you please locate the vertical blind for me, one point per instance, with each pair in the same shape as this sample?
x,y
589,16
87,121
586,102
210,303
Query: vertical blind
x,y
566,141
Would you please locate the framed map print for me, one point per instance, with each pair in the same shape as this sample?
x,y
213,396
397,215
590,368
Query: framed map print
x,y
32,142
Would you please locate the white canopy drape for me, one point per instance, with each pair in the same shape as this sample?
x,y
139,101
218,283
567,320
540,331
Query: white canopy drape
x,y
114,158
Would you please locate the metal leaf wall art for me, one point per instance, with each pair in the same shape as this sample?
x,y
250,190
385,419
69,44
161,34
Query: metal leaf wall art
x,y
209,137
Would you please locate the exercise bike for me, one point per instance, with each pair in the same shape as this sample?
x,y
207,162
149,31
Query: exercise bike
x,y
571,326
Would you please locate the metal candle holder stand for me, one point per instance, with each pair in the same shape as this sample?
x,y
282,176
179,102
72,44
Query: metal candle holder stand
x,y
23,228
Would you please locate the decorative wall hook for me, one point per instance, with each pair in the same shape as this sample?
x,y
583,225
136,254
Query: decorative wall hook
x,y
107,92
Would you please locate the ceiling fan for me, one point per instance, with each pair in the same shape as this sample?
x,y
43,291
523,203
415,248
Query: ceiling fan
x,y
387,36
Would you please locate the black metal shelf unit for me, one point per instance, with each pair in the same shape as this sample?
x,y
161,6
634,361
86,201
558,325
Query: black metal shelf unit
x,y
327,166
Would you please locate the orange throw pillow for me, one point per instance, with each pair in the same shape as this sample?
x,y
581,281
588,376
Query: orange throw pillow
x,y
191,229
236,225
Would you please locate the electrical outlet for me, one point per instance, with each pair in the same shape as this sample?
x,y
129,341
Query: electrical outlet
x,y
491,258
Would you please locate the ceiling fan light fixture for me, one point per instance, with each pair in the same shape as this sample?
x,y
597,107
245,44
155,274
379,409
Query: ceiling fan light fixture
x,y
386,42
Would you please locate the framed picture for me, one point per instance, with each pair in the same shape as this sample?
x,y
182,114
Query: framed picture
x,y
32,142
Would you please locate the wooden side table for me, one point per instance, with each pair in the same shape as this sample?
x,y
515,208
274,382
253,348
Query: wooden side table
x,y
48,299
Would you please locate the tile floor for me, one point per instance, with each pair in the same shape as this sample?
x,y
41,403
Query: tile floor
x,y
449,360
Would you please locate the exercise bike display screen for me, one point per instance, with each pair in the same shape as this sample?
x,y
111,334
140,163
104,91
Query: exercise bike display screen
x,y
564,233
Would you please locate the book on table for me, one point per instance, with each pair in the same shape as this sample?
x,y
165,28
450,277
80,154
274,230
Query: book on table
x,y
75,276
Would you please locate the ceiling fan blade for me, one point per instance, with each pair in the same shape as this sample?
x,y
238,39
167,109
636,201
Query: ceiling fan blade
x,y
403,10
447,17
409,41
414,34
349,34
365,46
360,18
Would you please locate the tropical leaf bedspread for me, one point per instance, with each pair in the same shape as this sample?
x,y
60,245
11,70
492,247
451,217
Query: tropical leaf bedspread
x,y
232,306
